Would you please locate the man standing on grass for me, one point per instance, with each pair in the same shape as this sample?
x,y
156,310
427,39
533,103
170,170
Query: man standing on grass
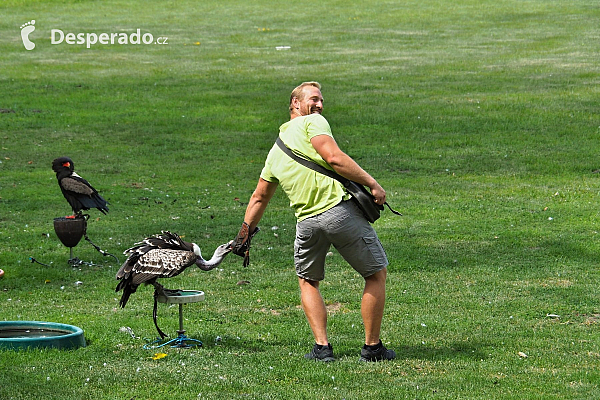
x,y
325,217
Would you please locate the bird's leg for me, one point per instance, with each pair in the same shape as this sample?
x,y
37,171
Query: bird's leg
x,y
161,290
158,289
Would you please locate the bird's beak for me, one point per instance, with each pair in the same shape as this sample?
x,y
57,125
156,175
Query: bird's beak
x,y
67,164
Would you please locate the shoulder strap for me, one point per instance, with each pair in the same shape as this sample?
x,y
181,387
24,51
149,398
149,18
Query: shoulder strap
x,y
310,164
316,167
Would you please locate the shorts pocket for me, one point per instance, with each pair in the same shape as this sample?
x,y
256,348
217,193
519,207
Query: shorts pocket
x,y
376,250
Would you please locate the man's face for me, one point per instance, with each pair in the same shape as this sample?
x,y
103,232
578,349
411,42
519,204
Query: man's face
x,y
312,102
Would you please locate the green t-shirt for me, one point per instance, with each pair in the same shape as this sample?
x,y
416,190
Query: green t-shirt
x,y
310,192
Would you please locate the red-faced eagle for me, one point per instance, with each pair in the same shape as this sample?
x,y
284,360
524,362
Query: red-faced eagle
x,y
78,192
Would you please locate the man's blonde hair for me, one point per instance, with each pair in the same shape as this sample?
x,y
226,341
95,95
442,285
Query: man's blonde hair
x,y
298,91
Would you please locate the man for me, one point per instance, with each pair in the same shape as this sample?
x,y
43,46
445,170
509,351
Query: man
x,y
324,217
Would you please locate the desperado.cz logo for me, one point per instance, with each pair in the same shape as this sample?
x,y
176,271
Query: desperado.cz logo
x,y
58,36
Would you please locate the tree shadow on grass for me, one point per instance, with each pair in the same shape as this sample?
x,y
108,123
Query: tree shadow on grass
x,y
472,351
232,344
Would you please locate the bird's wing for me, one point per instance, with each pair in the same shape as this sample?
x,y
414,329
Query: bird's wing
x,y
78,185
169,240
161,263
164,241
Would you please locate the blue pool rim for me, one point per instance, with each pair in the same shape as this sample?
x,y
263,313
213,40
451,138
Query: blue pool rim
x,y
72,339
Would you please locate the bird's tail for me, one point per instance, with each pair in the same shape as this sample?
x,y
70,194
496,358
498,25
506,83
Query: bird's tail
x,y
128,290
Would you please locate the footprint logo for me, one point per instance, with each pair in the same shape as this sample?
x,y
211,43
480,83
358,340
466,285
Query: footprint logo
x,y
26,29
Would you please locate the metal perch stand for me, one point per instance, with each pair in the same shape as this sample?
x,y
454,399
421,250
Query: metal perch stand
x,y
70,231
179,297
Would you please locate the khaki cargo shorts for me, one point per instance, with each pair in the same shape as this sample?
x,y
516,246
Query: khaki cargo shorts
x,y
344,227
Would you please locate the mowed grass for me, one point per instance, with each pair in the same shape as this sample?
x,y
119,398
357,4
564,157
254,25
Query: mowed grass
x,y
479,118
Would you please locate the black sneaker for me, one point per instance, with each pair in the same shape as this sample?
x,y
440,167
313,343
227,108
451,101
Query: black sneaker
x,y
376,353
321,353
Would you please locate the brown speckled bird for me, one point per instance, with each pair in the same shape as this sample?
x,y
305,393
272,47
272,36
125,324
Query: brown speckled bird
x,y
162,256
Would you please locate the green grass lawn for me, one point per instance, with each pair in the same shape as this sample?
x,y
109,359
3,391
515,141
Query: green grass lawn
x,y
479,118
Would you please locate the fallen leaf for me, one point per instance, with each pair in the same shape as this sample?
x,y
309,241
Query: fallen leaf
x,y
158,356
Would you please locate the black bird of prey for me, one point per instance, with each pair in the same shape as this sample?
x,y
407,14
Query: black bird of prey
x,y
78,192
162,256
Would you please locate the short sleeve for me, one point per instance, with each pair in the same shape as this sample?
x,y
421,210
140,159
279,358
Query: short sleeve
x,y
317,125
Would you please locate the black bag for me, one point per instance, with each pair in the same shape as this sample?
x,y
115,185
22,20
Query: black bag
x,y
360,195
364,200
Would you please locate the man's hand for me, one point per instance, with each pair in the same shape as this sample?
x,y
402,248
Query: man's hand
x,y
378,193
241,243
